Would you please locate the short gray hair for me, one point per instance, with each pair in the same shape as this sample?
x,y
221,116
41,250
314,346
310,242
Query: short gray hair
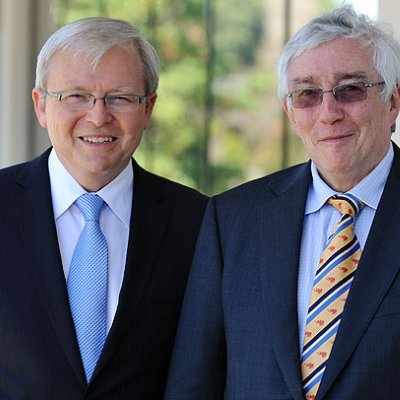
x,y
344,22
93,37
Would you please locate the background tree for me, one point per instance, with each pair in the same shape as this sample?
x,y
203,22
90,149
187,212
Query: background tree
x,y
217,120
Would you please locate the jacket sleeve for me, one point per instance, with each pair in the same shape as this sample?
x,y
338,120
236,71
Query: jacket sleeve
x,y
198,366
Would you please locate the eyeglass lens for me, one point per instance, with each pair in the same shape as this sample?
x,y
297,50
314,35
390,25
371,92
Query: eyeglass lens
x,y
311,97
86,101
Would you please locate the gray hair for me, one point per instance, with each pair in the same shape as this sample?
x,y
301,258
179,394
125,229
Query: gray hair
x,y
93,37
344,22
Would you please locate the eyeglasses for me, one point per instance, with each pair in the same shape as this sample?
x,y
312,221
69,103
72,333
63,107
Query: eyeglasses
x,y
349,93
114,102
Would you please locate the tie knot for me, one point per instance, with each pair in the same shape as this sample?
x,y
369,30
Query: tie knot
x,y
90,206
346,204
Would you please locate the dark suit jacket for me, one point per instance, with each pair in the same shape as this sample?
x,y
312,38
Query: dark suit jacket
x,y
39,356
238,336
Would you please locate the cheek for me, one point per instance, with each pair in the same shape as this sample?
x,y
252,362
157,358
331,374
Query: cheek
x,y
60,128
133,127
132,133
302,125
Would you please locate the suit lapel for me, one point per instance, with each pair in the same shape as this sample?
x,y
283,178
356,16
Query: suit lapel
x,y
148,224
34,214
374,276
149,219
279,270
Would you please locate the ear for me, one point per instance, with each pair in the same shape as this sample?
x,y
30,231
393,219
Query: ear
x,y
149,109
40,107
394,104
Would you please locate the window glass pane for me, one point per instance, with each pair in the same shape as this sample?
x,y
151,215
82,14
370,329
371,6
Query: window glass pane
x,y
217,121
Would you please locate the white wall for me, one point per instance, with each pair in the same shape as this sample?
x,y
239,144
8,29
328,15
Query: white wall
x,y
389,13
24,25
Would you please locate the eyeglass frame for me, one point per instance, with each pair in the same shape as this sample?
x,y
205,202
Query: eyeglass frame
x,y
59,96
366,86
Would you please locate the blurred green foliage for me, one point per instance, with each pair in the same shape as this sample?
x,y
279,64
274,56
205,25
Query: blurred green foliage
x,y
217,122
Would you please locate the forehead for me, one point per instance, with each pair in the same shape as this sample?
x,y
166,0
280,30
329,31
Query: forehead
x,y
332,62
116,67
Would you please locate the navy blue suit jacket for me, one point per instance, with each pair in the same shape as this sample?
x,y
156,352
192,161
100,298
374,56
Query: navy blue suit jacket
x,y
238,334
39,355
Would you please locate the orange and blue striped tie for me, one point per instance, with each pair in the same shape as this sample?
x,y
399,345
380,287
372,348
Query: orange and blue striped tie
x,y
331,287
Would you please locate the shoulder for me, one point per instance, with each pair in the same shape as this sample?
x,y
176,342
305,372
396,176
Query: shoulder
x,y
246,209
28,171
269,186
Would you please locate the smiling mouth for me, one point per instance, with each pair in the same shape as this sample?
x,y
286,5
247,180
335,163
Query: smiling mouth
x,y
103,139
336,138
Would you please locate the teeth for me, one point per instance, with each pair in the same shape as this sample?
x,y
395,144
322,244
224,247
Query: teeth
x,y
98,139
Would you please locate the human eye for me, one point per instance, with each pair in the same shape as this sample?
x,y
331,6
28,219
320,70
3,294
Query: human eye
x,y
305,97
351,88
76,98
307,93
120,99
351,92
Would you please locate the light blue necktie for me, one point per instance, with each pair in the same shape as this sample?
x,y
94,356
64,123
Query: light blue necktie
x,y
87,284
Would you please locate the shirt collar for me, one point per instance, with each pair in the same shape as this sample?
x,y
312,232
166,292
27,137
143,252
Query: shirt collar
x,y
65,190
369,190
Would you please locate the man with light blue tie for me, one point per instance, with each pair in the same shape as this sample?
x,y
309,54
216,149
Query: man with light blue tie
x,y
295,286
95,250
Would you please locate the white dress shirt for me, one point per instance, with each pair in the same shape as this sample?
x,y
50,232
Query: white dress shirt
x,y
320,219
114,222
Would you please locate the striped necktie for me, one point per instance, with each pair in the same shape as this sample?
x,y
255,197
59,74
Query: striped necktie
x,y
331,286
87,284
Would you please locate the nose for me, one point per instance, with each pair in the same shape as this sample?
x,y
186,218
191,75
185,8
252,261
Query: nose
x,y
328,91
99,114
330,110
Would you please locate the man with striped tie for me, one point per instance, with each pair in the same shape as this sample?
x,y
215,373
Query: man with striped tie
x,y
295,288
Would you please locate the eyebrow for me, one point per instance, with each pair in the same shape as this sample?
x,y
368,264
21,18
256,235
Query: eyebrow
x,y
340,76
351,75
80,89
